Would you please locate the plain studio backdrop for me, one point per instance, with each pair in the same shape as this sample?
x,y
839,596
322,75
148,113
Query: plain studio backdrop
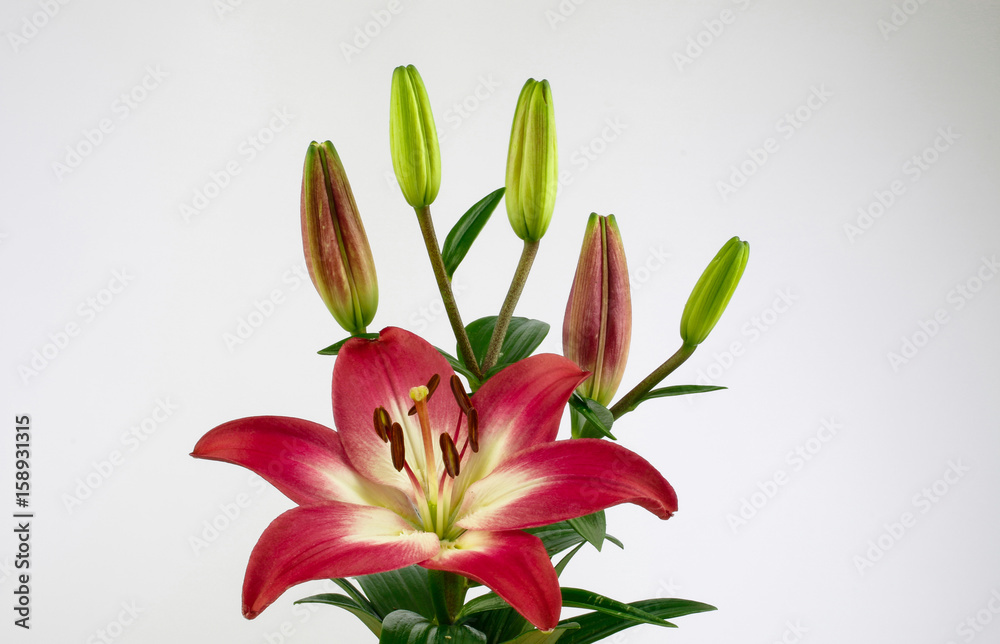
x,y
842,489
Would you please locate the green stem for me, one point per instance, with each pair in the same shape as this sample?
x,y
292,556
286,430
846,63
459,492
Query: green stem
x,y
447,296
507,310
448,593
628,402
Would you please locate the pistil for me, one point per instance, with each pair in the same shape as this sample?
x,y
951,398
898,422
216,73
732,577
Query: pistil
x,y
419,396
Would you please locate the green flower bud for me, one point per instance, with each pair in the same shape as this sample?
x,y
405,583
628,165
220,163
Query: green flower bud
x,y
413,140
712,292
336,248
597,328
532,162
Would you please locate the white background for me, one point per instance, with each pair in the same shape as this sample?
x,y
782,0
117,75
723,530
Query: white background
x,y
694,92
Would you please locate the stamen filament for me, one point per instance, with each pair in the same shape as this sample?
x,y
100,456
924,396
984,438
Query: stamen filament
x,y
419,396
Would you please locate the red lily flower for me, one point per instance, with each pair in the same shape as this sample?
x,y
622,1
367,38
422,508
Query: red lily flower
x,y
431,488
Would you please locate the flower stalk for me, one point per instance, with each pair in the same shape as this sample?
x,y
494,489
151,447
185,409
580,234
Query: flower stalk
x,y
628,402
466,354
528,253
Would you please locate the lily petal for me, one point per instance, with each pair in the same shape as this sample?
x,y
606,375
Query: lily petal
x,y
521,407
325,541
304,460
513,564
373,373
564,480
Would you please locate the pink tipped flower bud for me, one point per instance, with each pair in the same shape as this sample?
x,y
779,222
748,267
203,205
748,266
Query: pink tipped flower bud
x,y
336,248
598,323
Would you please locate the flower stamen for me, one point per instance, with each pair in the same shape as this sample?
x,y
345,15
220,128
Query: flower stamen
x,y
449,455
419,396
398,447
382,424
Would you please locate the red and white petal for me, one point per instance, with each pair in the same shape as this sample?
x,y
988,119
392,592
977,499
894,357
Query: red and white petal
x,y
512,564
373,373
304,460
520,407
325,541
564,480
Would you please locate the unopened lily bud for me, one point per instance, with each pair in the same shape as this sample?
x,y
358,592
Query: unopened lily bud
x,y
597,328
336,248
712,292
532,165
413,139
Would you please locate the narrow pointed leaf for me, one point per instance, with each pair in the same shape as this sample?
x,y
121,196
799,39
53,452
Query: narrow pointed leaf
x,y
406,627
599,419
579,598
559,536
465,231
523,337
676,390
357,596
592,527
406,588
483,603
595,627
368,618
565,560
334,348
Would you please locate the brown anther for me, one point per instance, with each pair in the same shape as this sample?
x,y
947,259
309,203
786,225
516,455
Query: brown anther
x,y
382,423
449,455
432,384
463,398
398,447
412,411
473,429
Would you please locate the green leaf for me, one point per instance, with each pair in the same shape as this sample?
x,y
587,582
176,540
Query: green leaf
x,y
565,560
599,419
465,231
407,627
523,336
592,527
459,366
597,626
334,348
483,603
557,537
357,596
579,598
370,619
406,588
676,390
540,637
